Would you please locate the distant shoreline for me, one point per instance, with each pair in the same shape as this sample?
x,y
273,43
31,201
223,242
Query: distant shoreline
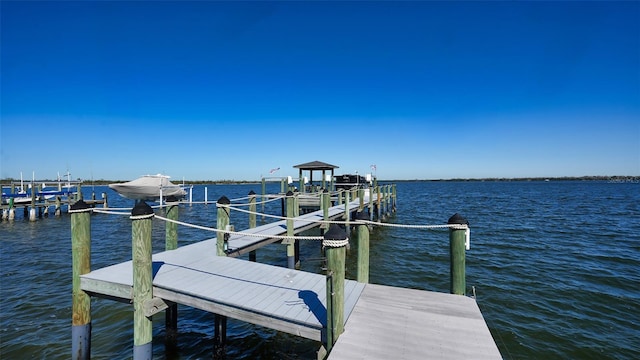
x,y
613,179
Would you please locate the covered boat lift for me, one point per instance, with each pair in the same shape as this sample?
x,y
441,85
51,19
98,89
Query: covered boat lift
x,y
315,166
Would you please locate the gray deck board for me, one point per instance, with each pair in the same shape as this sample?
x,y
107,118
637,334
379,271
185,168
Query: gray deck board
x,y
249,291
397,323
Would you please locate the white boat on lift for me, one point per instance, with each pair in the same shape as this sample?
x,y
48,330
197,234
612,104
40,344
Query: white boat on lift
x,y
149,187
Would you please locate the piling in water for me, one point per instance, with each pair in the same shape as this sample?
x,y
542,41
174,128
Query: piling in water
x,y
141,216
335,242
362,240
81,264
222,223
457,255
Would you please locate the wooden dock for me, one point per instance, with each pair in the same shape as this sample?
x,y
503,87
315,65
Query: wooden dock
x,y
284,299
380,322
397,323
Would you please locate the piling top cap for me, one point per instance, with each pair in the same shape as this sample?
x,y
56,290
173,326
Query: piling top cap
x,y
335,232
224,200
458,219
251,192
325,190
141,208
289,193
79,205
361,215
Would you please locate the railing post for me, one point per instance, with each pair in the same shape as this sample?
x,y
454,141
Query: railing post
x,y
171,243
141,216
394,198
457,237
378,195
264,193
347,214
252,219
326,203
335,242
291,253
222,224
81,264
362,233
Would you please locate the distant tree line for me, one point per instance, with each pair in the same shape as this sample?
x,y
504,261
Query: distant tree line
x,y
617,178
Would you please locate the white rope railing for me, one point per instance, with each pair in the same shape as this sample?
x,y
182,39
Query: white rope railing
x,y
117,211
240,232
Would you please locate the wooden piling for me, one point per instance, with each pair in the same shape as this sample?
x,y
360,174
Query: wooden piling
x,y
394,198
141,216
291,254
263,198
12,211
81,264
326,204
58,208
362,241
171,243
219,336
222,223
457,239
296,244
335,242
252,220
378,203
32,211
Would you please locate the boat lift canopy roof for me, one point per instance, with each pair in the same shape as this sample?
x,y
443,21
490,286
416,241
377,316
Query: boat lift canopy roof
x,y
316,166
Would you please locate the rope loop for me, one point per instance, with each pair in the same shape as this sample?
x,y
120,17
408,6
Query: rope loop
x,y
335,243
72,211
141,217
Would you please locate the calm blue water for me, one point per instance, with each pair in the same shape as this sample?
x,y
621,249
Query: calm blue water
x,y
555,267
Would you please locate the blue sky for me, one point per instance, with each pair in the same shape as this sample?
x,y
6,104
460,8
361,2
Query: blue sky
x,y
229,90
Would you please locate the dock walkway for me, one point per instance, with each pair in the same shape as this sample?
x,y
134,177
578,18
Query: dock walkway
x,y
241,244
381,322
284,299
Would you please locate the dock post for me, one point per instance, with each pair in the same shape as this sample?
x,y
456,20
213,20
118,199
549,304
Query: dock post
x,y
361,198
362,239
141,216
105,202
222,223
12,210
32,211
389,209
457,237
347,216
206,200
171,243
219,336
252,220
326,203
291,250
81,264
378,203
264,193
335,242
339,197
296,244
394,196
58,210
